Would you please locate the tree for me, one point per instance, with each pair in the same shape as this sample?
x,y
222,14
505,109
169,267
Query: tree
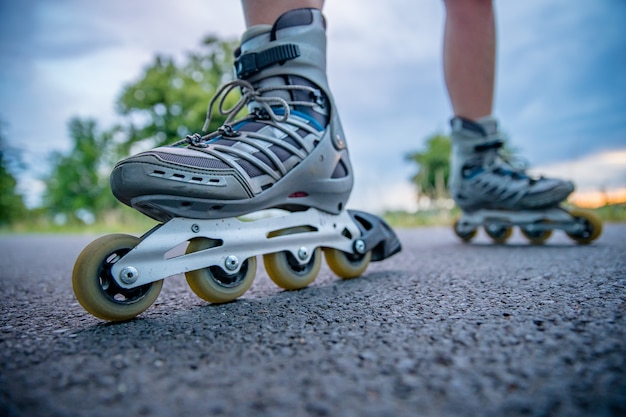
x,y
167,102
11,202
170,100
433,167
77,185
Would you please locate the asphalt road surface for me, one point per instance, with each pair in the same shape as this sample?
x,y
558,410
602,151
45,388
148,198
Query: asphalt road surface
x,y
443,328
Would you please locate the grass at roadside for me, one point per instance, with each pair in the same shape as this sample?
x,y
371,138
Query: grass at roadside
x,y
122,220
126,220
611,213
421,218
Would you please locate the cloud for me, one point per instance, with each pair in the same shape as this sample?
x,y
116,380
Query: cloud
x,y
595,172
561,90
560,93
69,57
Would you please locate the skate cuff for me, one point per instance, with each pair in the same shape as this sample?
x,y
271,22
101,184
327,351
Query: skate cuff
x,y
250,63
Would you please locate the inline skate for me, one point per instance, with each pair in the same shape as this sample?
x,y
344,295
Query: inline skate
x,y
288,153
494,194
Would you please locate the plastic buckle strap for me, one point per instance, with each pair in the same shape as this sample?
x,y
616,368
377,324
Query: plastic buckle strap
x,y
251,63
494,144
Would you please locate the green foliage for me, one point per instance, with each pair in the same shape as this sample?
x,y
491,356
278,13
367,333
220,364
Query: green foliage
x,y
170,100
11,203
433,166
612,212
78,184
421,218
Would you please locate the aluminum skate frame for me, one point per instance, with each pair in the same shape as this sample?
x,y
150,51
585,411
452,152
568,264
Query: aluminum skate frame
x,y
239,240
531,220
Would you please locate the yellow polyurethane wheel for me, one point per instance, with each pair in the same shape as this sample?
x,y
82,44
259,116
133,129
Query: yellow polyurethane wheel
x,y
592,226
284,270
538,237
465,237
346,265
96,290
214,284
501,235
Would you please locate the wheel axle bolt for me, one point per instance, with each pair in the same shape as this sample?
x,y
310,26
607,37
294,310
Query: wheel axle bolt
x,y
303,253
195,228
231,263
129,275
359,246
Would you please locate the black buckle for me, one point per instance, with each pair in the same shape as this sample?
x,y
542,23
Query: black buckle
x,y
253,62
494,144
245,66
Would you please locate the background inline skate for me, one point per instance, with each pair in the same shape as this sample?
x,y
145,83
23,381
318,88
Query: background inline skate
x,y
288,153
494,194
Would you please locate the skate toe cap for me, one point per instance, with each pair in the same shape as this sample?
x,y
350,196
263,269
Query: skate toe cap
x,y
547,192
147,174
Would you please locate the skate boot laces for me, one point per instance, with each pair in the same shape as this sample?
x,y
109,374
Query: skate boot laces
x,y
267,107
500,162
501,181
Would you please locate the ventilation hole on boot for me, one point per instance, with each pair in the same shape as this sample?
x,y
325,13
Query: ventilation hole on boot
x,y
179,176
249,167
197,179
340,206
214,181
217,207
186,204
340,170
363,222
298,194
281,153
265,159
266,186
302,133
346,233
158,172
292,142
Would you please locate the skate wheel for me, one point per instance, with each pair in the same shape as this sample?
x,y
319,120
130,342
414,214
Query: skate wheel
x,y
96,290
536,237
465,235
592,226
287,273
499,234
285,270
346,265
215,285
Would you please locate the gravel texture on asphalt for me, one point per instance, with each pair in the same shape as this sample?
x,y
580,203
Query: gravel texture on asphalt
x,y
443,328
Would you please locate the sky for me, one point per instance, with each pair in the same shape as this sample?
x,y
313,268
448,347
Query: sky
x,y
560,91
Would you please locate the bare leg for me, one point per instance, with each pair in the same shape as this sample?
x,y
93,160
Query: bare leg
x,y
469,56
265,12
479,178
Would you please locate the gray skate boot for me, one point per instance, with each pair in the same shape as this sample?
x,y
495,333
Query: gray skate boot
x,y
481,179
494,194
290,152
